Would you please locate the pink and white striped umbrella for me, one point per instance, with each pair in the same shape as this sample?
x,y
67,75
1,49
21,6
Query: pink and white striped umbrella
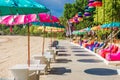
x,y
18,19
24,19
44,17
2,18
7,20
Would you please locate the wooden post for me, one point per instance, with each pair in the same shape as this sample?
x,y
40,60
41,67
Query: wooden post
x,y
28,46
43,42
51,36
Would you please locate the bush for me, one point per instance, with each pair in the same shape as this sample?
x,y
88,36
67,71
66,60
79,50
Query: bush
x,y
102,34
23,30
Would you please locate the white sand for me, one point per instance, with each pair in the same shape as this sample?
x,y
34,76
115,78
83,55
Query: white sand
x,y
13,50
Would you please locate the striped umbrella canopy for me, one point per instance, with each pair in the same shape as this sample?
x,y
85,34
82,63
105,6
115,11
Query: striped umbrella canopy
x,y
44,17
87,29
96,28
24,19
54,29
45,25
78,33
14,7
111,25
57,25
18,19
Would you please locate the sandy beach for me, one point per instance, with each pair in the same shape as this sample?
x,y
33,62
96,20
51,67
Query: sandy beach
x,y
71,63
13,50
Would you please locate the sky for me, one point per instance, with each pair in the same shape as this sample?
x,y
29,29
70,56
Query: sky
x,y
56,6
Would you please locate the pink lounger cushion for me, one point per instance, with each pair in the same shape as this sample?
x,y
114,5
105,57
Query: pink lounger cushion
x,y
103,52
113,56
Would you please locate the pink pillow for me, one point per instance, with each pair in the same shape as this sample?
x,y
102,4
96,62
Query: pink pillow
x,y
113,56
115,49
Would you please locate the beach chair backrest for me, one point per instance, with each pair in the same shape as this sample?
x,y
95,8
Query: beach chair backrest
x,y
101,44
95,43
20,73
115,49
33,61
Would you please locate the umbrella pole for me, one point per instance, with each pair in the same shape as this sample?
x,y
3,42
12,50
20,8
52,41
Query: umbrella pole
x,y
51,36
43,45
11,30
28,45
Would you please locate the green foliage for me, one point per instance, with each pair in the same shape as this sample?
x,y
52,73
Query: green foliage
x,y
16,30
102,34
108,12
34,31
63,21
23,31
6,31
60,35
71,9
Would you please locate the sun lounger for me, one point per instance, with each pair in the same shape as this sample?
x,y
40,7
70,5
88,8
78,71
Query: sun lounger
x,y
45,59
23,72
33,61
113,56
110,49
55,44
52,53
20,73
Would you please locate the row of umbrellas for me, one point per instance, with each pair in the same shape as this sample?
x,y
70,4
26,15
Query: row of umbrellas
x,y
22,12
24,19
108,25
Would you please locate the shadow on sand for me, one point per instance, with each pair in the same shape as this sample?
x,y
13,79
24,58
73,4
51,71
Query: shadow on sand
x,y
64,54
90,60
63,61
79,51
101,71
76,48
61,47
84,55
62,50
59,71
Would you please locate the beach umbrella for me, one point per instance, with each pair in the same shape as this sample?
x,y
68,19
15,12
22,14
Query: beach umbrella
x,y
75,20
80,14
78,32
96,28
7,21
111,25
97,3
87,13
17,20
71,20
91,8
46,25
91,1
80,17
48,20
44,17
14,7
87,29
54,29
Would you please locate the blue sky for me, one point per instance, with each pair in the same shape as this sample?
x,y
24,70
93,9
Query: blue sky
x,y
56,6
